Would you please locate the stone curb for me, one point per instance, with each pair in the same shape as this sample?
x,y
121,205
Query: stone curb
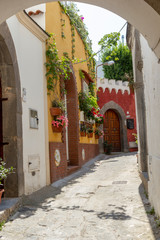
x,y
8,206
84,168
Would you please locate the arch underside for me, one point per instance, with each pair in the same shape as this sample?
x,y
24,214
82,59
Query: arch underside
x,y
11,113
142,14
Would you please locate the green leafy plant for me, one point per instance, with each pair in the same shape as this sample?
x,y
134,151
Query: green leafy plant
x,y
151,211
87,103
58,104
120,54
136,137
81,74
4,172
99,132
1,225
157,222
76,21
83,128
89,130
57,69
92,87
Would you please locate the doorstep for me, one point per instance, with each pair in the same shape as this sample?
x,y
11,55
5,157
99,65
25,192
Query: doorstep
x,y
8,206
71,169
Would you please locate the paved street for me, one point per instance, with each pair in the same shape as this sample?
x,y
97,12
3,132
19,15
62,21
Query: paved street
x,y
102,202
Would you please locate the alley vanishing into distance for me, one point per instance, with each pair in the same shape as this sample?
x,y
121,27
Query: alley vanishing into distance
x,y
103,201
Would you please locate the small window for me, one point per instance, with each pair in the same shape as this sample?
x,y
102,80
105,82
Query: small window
x,y
85,87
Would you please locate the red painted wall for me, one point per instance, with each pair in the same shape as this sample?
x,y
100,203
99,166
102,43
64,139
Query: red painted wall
x,y
125,101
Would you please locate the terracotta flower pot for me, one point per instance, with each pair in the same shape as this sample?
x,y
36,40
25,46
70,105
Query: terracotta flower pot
x,y
96,136
57,129
83,134
1,192
90,135
55,111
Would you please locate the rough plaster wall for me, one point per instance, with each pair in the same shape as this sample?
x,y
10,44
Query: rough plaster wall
x,y
151,75
30,60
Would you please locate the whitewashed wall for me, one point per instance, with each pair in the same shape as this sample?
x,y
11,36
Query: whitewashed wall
x,y
30,57
151,76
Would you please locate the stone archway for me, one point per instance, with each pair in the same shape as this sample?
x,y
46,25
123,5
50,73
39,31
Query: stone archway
x,y
73,118
11,112
122,118
135,12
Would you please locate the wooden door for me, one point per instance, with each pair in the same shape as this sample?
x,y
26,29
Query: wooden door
x,y
112,130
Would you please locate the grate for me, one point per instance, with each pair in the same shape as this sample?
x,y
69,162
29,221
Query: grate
x,y
119,182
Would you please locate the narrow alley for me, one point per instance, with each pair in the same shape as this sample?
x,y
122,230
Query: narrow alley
x,y
103,201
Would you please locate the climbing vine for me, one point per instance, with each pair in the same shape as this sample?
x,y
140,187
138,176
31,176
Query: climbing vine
x,y
56,68
73,40
71,10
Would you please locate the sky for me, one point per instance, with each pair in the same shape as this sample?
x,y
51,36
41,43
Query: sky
x,y
99,22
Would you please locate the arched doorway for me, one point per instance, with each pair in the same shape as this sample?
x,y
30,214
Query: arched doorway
x,y
111,127
122,122
10,114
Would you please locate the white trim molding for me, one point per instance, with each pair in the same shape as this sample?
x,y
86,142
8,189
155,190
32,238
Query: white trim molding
x,y
33,27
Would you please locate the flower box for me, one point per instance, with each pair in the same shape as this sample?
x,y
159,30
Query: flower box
x,y
57,129
55,111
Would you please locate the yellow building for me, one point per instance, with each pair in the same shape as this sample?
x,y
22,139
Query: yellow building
x,y
68,149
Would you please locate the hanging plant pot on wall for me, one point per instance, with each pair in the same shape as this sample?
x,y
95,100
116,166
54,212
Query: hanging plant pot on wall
x,y
83,134
57,129
55,111
96,136
90,135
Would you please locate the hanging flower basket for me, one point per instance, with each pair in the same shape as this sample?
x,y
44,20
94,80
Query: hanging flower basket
x,y
57,129
55,111
58,123
98,133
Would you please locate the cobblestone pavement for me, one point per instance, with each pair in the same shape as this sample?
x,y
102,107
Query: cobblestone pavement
x,y
102,203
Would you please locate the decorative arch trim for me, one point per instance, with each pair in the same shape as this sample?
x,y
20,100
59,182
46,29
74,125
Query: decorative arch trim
x,y
122,118
12,113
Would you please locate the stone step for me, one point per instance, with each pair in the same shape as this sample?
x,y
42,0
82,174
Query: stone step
x,y
71,169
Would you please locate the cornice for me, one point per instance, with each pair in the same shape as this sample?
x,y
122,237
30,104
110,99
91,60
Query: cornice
x,y
32,26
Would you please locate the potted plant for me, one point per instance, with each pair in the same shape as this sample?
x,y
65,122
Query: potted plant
x,y
98,133
107,147
97,116
83,130
3,175
59,123
87,102
90,132
57,107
